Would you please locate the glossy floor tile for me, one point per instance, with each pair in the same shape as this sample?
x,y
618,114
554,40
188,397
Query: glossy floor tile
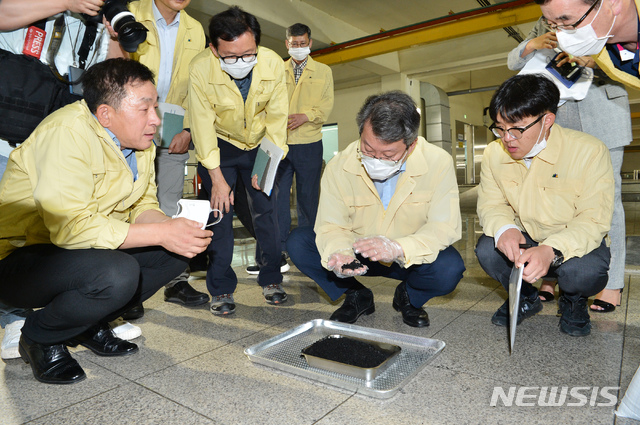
x,y
191,368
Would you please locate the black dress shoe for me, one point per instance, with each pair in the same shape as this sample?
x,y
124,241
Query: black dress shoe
x,y
101,340
135,313
412,316
182,293
51,364
355,305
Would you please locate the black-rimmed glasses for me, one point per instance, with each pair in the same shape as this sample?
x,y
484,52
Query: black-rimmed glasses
x,y
230,60
570,27
514,132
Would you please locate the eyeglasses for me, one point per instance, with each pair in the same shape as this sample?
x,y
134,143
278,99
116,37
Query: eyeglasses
x,y
568,28
230,60
514,132
301,44
388,159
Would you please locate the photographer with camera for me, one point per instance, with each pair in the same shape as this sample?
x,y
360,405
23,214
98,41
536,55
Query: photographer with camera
x,y
603,113
27,56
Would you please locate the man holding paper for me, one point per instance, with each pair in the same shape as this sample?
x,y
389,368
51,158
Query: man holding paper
x,y
545,203
173,40
237,97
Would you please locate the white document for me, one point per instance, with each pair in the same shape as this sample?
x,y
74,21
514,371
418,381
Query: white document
x,y
515,286
266,165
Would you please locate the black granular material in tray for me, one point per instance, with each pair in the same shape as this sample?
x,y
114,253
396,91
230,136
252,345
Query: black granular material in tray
x,y
348,351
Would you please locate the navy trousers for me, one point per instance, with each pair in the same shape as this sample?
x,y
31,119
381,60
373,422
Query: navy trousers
x,y
423,281
221,279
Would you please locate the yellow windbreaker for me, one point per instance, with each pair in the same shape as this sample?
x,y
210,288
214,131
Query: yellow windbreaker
x,y
312,96
564,200
189,42
423,215
604,62
217,110
69,184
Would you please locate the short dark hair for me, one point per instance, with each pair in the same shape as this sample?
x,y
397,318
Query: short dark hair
x,y
104,82
393,116
522,96
543,2
231,24
297,30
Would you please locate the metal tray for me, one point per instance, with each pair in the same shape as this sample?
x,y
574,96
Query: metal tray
x,y
366,373
282,352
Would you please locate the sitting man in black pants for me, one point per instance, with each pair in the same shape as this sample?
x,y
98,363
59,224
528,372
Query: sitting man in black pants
x,y
81,234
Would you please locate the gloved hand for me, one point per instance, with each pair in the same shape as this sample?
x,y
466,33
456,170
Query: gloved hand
x,y
337,262
379,248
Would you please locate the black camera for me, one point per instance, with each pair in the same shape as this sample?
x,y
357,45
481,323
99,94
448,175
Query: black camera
x,y
130,32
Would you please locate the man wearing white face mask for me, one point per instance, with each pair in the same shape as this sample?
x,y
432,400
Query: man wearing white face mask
x,y
310,88
389,206
606,28
237,95
545,203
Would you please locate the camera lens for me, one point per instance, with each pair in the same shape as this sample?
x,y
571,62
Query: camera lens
x,y
130,32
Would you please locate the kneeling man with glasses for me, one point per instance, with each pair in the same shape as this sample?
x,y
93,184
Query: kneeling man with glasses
x,y
545,203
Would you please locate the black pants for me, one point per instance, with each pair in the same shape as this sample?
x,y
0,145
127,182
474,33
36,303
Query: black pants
x,y
78,288
577,277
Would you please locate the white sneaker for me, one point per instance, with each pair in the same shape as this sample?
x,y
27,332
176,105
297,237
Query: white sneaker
x,y
11,339
125,330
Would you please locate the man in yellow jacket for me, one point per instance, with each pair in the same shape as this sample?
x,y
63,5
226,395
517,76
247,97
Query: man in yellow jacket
x,y
173,40
237,96
310,88
389,206
545,203
607,29
81,235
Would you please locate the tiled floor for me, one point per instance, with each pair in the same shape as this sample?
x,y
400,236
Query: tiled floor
x,y
191,368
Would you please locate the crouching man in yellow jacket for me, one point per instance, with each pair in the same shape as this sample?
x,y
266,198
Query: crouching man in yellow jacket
x,y
81,234
545,203
389,206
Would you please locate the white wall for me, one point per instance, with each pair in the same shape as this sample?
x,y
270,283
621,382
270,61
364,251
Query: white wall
x,y
347,103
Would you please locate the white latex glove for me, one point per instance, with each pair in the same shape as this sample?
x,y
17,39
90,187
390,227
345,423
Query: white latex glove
x,y
379,248
338,261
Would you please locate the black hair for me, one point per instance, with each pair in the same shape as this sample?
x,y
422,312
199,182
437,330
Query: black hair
x,y
231,24
522,96
104,82
393,116
297,30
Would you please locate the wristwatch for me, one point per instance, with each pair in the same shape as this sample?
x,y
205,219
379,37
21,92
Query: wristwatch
x,y
558,259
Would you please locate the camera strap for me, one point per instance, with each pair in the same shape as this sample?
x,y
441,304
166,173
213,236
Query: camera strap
x,y
59,28
88,39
